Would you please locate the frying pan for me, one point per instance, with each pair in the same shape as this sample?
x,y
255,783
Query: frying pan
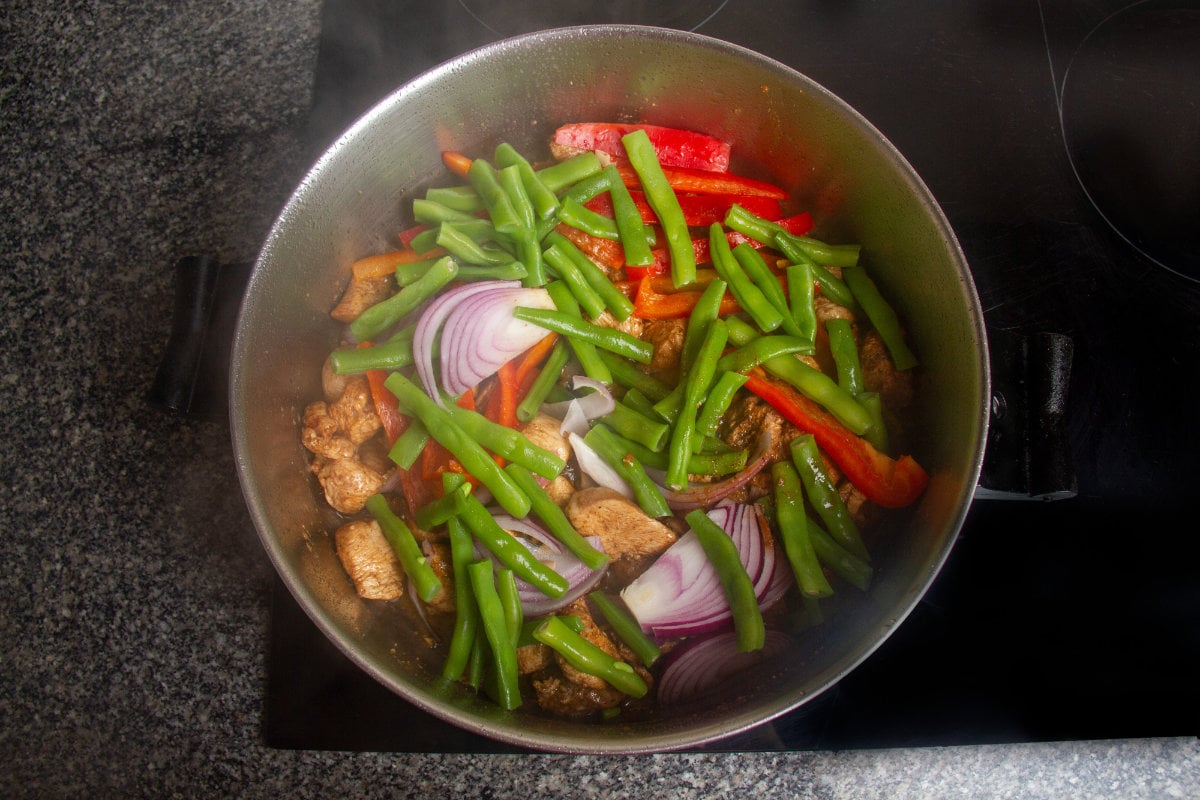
x,y
784,127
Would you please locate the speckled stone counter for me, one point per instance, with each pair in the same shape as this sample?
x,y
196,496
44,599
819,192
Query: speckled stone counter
x,y
135,595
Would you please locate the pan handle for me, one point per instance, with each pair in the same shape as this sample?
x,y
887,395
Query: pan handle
x,y
192,377
1028,455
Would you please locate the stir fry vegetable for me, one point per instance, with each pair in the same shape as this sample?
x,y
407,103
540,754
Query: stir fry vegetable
x,y
621,418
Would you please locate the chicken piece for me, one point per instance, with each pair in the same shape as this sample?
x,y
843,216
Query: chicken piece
x,y
533,658
880,374
862,511
354,412
632,325
561,152
746,420
592,633
360,295
624,529
545,431
332,384
347,483
826,309
369,560
320,434
438,556
667,337
563,698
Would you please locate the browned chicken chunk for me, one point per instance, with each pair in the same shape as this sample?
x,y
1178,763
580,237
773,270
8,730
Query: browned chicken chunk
x,y
545,431
361,295
667,337
347,483
880,374
354,412
320,433
623,528
369,560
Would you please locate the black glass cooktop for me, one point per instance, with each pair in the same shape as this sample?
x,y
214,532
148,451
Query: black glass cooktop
x,y
1062,140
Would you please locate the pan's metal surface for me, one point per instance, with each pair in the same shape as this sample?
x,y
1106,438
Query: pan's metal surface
x,y
782,126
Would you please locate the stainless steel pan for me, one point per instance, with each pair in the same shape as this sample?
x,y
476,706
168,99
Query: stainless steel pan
x,y
783,126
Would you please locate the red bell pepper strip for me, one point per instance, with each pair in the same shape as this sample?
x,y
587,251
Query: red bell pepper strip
x,y
502,405
891,483
456,162
408,234
798,224
673,146
605,252
698,209
386,405
698,181
650,303
436,459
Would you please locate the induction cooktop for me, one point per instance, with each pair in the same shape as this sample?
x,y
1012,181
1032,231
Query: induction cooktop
x,y
1062,140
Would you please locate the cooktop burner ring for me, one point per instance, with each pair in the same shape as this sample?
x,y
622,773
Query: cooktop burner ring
x,y
1129,109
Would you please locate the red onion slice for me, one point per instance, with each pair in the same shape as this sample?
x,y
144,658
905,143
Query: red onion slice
x,y
680,593
702,495
480,335
702,665
597,468
429,324
580,578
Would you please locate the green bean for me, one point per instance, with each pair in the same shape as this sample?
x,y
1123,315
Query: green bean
x,y
577,215
529,251
609,446
510,601
629,376
466,614
544,382
475,460
438,511
751,225
408,272
882,316
460,198
509,179
739,589
507,442
793,529
706,310
662,199
541,196
845,354
555,520
810,382
565,268
757,270
434,213
478,659
834,255
707,462
634,399
628,221
577,328
637,426
408,552
877,433
574,169
831,286
407,448
467,250
801,292
767,232
508,550
823,495
616,301
699,378
494,624
393,354
626,627
385,314
765,315
485,179
840,561
764,348
572,621
717,403
586,353
512,271
587,188
587,657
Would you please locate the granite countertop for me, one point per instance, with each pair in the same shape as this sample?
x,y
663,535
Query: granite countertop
x,y
135,592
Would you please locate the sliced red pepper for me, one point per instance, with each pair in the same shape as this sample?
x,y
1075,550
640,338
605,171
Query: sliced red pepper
x,y
408,234
502,405
605,252
699,181
674,146
436,459
891,483
651,303
386,405
798,224
456,162
698,209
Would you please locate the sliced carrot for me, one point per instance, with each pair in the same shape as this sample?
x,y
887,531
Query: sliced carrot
x,y
456,162
383,264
